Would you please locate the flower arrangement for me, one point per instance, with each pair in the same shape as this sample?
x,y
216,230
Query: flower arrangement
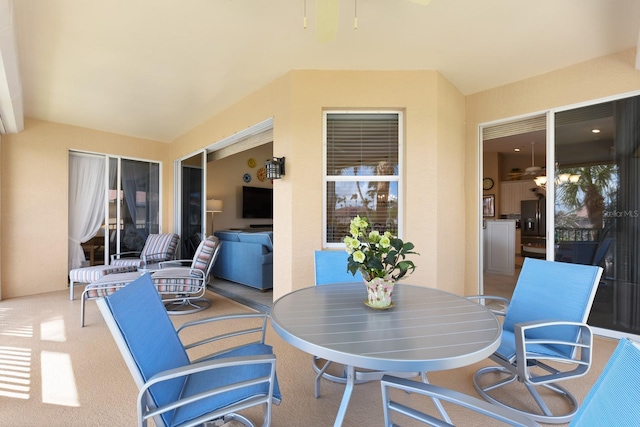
x,y
377,255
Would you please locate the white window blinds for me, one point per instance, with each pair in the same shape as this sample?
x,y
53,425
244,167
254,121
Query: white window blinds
x,y
359,143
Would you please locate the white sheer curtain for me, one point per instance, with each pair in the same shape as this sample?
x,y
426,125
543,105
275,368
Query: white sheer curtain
x,y
86,202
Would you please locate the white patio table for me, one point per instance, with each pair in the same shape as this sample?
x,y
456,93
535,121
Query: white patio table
x,y
426,330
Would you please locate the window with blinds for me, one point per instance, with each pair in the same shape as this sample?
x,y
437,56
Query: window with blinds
x,y
361,171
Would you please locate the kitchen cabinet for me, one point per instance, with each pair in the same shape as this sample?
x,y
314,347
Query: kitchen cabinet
x,y
512,193
499,246
509,193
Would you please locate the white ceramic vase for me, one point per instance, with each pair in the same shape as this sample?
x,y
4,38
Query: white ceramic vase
x,y
379,292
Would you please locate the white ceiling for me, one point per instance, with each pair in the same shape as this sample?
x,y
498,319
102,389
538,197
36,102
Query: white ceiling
x,y
157,68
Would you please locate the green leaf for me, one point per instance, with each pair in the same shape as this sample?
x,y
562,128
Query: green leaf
x,y
407,247
396,243
375,263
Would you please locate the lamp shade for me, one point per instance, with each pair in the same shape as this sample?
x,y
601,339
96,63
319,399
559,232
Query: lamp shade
x,y
214,205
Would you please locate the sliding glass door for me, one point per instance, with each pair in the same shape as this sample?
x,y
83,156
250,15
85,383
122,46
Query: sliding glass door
x,y
192,205
135,212
597,204
189,203
125,196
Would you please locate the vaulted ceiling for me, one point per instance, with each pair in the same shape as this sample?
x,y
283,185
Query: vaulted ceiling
x,y
157,68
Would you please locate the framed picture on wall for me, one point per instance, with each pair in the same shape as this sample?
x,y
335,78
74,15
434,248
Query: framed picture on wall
x,y
489,205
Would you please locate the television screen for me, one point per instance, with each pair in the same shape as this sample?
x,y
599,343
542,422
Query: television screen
x,y
257,202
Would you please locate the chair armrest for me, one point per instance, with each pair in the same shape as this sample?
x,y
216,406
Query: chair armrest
x,y
195,368
156,256
503,414
488,299
175,263
178,272
259,330
581,351
129,254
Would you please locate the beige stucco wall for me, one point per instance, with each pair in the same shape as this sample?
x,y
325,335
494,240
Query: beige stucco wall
x,y
599,78
441,166
34,205
433,112
434,137
0,219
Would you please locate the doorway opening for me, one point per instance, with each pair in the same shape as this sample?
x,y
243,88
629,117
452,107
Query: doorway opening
x,y
513,156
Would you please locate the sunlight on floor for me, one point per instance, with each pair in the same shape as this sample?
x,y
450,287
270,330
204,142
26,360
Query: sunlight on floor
x,y
53,330
15,372
58,383
14,325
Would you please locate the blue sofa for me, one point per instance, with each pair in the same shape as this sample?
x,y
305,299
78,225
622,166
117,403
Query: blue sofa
x,y
245,258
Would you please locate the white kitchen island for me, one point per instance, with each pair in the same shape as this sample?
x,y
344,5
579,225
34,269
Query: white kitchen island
x,y
499,238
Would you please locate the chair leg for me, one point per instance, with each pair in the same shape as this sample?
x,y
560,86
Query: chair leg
x,y
239,419
187,305
544,415
82,301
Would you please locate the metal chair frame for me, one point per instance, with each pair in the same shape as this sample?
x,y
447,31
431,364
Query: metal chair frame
x,y
201,387
612,399
532,342
191,302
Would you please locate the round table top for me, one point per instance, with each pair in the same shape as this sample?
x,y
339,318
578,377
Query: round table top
x,y
425,330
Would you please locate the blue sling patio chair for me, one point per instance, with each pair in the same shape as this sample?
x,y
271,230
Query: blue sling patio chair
x,y
330,266
545,340
177,391
612,401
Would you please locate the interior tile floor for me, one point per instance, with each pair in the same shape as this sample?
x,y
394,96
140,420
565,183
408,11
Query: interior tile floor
x,y
502,285
246,295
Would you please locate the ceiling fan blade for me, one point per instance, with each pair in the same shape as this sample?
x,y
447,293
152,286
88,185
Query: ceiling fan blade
x,y
327,20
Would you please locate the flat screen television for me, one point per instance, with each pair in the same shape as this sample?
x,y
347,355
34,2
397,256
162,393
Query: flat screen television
x,y
257,202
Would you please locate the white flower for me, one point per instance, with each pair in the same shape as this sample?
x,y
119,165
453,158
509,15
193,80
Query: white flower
x,y
372,253
358,256
351,244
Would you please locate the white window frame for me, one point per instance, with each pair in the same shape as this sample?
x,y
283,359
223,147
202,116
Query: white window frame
x,y
398,178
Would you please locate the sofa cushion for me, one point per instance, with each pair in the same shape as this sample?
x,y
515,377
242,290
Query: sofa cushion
x,y
227,235
263,238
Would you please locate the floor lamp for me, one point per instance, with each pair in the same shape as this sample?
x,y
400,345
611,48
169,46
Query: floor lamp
x,y
213,206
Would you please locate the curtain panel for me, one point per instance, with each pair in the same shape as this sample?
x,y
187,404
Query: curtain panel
x,y
86,202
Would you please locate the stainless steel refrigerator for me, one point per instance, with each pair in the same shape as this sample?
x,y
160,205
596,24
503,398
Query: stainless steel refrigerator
x,y
533,226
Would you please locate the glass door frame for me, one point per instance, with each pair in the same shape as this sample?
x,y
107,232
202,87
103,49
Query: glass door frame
x,y
178,193
118,177
550,189
480,177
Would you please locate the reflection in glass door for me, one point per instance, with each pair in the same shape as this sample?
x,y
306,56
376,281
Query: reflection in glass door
x,y
191,205
134,203
597,204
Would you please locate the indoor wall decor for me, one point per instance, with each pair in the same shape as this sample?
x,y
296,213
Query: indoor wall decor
x,y
489,205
